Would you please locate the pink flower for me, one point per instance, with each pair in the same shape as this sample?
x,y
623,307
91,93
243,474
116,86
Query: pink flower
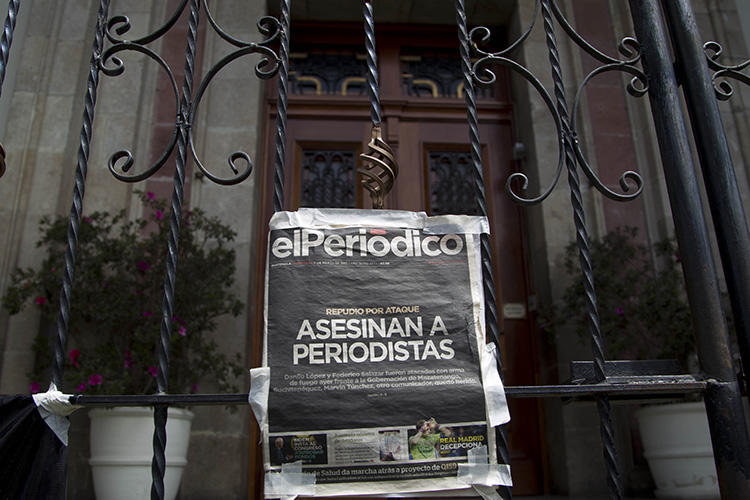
x,y
41,300
128,361
88,219
195,388
143,266
73,356
619,311
35,387
95,379
149,195
81,387
182,331
159,214
139,292
153,370
147,314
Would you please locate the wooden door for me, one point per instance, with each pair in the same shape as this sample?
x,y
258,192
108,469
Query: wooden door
x,y
424,118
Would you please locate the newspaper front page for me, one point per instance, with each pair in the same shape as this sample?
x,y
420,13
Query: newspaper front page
x,y
374,325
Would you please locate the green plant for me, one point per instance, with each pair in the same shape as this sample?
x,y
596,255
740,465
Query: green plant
x,y
642,311
115,313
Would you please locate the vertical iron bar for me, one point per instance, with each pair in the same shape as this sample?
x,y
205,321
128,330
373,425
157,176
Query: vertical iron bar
x,y
5,42
718,169
488,280
372,63
281,105
582,240
723,401
158,463
79,190
7,38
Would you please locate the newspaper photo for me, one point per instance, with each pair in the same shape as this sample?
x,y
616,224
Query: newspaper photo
x,y
374,342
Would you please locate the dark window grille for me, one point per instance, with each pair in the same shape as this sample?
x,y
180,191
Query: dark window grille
x,y
328,178
451,187
435,76
327,73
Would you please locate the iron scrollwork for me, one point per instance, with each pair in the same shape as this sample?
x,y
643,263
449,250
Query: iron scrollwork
x,y
630,181
722,87
121,162
571,156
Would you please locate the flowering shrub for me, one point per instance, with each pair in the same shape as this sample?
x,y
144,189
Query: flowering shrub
x,y
115,313
642,311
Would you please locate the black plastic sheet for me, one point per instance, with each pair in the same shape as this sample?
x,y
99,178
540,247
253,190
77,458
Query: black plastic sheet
x,y
33,461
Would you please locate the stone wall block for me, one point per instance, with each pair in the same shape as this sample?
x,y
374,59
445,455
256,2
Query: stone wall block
x,y
29,77
56,123
76,18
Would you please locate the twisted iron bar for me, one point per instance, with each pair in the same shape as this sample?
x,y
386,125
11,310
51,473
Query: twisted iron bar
x,y
79,190
7,38
605,419
372,63
380,168
488,281
279,158
158,463
723,88
5,41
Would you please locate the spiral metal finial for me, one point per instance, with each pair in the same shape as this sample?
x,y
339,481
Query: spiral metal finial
x,y
605,420
380,170
380,167
79,189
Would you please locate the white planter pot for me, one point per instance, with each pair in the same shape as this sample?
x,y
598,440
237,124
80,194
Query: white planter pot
x,y
677,445
121,450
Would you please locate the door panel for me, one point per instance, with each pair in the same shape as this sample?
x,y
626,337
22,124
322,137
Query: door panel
x,y
420,126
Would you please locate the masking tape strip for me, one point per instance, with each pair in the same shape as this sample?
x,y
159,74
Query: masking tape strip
x,y
487,492
478,472
327,218
494,391
260,382
289,483
54,407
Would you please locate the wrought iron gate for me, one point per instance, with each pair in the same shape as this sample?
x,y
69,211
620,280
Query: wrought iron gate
x,y
657,23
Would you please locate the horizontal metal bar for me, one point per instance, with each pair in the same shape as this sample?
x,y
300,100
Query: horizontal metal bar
x,y
160,399
626,389
583,371
623,388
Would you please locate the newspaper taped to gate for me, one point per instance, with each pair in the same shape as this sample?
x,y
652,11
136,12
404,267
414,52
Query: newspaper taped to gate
x,y
373,338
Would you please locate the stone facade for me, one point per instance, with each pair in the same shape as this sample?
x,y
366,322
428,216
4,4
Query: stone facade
x,y
43,101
